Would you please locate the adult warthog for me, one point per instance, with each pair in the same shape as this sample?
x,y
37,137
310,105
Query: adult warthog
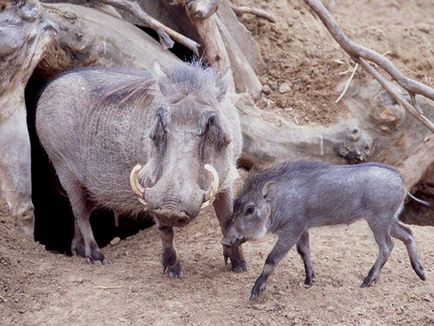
x,y
172,138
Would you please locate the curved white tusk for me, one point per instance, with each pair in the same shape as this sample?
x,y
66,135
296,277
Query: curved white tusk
x,y
134,181
213,187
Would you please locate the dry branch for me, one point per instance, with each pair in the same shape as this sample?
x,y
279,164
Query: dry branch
x,y
397,96
361,54
239,11
165,33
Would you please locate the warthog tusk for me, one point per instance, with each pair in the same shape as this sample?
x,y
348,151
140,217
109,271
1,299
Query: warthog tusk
x,y
213,187
134,181
135,184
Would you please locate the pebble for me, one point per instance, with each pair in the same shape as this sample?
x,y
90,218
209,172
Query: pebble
x,y
424,28
285,87
266,89
115,241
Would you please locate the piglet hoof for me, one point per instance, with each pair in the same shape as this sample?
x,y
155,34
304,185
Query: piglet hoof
x,y
257,290
174,272
309,280
421,275
418,268
367,282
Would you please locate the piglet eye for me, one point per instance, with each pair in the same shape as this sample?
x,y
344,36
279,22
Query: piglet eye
x,y
250,209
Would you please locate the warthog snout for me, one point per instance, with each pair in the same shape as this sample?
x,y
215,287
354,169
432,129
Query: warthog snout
x,y
173,217
172,202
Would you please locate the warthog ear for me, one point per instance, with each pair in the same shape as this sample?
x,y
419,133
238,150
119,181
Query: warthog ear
x,y
210,127
161,125
268,190
223,83
158,71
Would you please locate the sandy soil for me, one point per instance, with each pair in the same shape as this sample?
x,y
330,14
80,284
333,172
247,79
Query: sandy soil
x,y
43,288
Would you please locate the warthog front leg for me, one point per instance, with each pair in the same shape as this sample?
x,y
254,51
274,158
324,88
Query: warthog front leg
x,y
223,209
77,244
170,260
303,248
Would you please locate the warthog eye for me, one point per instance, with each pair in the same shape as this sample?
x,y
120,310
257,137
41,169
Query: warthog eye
x,y
210,127
159,130
250,210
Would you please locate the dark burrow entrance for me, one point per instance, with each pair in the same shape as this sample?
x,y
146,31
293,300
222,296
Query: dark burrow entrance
x,y
54,221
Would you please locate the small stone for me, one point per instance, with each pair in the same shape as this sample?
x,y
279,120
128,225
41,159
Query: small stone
x,y
115,241
285,87
424,28
266,89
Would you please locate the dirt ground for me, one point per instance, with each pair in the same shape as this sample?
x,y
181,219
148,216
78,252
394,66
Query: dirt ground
x,y
42,288
38,287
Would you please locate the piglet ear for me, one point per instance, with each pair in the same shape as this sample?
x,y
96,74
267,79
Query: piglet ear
x,y
223,83
268,190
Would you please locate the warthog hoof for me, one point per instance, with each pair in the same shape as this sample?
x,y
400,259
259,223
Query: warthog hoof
x,y
96,258
258,288
77,248
174,272
238,263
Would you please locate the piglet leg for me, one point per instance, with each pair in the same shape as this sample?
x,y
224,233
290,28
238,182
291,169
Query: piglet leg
x,y
303,248
281,248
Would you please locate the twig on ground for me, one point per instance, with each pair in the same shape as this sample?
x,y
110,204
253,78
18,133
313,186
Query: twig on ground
x,y
360,54
239,11
108,287
167,35
348,83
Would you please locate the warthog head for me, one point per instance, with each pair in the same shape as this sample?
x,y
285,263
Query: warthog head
x,y
190,145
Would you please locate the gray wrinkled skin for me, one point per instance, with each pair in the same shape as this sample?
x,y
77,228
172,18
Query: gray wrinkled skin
x,y
290,198
97,124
